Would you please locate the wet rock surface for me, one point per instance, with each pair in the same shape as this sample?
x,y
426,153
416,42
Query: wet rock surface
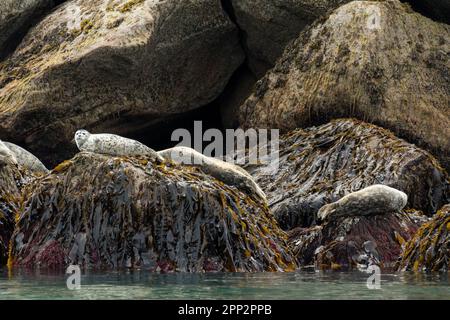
x,y
364,61
355,242
104,212
320,165
97,64
429,249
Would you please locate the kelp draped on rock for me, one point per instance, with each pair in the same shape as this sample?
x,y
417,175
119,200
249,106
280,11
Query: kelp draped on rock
x,y
100,64
12,180
98,211
358,241
377,61
429,249
320,165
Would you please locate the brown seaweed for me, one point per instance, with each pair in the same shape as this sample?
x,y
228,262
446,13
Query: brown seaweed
x,y
103,212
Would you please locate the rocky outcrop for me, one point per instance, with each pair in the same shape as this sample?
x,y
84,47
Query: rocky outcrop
x,y
105,212
356,241
17,17
269,25
429,249
105,63
320,165
375,61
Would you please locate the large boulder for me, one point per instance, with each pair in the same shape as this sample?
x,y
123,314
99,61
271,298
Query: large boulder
x,y
355,241
104,212
17,17
101,64
376,61
429,249
320,165
269,25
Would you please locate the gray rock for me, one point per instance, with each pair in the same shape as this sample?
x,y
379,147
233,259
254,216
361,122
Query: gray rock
x,y
114,66
360,63
16,17
269,25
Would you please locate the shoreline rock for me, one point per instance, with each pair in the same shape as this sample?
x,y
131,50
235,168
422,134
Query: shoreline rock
x,y
355,242
105,212
115,66
359,63
429,249
320,165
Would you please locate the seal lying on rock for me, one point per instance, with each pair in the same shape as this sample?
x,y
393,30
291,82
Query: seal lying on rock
x,y
26,159
373,200
113,145
6,155
228,173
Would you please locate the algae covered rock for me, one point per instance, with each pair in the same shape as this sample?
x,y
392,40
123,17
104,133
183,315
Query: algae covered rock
x,y
16,17
356,241
12,181
320,165
105,212
100,64
429,249
376,61
269,25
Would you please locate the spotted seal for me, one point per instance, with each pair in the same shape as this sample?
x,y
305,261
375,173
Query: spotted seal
x,y
26,159
228,173
373,200
111,144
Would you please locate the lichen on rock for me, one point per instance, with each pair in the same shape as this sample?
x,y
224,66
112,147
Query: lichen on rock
x,y
111,212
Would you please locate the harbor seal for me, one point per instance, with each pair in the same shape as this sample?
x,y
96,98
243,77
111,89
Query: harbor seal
x,y
26,159
373,200
113,145
6,155
228,173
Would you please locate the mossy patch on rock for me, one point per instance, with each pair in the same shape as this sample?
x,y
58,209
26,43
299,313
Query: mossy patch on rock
x,y
320,165
429,249
104,212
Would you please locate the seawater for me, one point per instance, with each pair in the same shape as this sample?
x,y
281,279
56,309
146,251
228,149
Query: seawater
x,y
272,286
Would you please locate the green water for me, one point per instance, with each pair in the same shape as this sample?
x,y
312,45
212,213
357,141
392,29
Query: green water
x,y
299,285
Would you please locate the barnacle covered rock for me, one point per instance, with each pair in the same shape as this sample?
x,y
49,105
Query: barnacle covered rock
x,y
109,212
377,61
97,64
356,241
429,249
320,165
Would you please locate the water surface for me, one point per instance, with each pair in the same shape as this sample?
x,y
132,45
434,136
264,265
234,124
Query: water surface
x,y
298,285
